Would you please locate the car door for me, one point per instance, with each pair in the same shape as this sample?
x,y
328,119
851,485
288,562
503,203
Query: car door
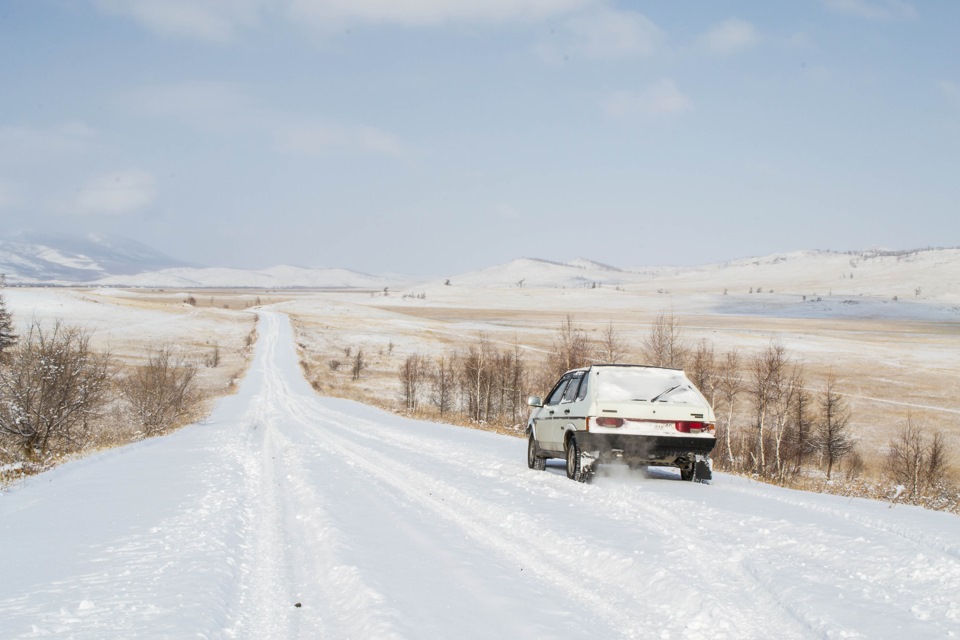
x,y
571,412
548,421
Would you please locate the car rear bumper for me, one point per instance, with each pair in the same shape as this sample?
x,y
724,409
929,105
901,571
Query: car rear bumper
x,y
645,446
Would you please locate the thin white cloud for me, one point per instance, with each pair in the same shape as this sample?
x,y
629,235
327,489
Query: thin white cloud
x,y
316,138
208,20
878,10
116,193
606,35
219,21
662,98
226,109
211,106
379,141
730,36
332,14
67,138
951,90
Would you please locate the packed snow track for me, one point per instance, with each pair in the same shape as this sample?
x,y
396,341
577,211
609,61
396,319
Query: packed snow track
x,y
287,515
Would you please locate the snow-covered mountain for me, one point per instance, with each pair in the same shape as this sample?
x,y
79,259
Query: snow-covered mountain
x,y
45,258
533,272
97,259
280,277
927,274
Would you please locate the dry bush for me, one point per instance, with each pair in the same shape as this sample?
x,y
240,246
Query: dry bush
x,y
919,463
161,394
54,388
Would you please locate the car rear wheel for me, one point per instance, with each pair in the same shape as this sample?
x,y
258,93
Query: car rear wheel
x,y
574,471
533,460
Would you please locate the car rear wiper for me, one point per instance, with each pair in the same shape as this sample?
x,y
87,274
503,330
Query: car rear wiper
x,y
657,397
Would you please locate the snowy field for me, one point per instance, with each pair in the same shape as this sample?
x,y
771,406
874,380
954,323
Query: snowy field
x,y
383,527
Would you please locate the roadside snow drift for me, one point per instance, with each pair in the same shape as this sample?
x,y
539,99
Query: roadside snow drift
x,y
291,516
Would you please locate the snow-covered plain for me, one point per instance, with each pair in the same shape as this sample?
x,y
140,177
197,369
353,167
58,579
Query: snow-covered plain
x,y
384,527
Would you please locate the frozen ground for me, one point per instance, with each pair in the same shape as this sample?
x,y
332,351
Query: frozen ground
x,y
383,527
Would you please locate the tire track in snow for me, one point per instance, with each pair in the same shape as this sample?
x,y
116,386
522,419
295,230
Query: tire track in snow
x,y
713,614
624,601
293,551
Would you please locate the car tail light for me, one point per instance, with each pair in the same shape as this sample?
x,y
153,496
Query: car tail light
x,y
609,422
692,427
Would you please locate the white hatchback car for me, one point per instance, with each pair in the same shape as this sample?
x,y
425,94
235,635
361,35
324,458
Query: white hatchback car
x,y
644,416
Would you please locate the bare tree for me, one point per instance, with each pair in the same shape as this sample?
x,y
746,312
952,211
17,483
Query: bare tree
x,y
728,387
833,434
213,360
763,374
443,384
413,372
162,393
788,387
477,371
571,349
703,369
509,376
612,349
664,346
913,462
53,389
802,438
359,364
937,461
906,457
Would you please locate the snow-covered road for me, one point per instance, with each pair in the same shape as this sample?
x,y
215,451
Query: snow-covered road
x,y
383,527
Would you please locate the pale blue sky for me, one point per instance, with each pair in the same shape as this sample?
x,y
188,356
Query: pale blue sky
x,y
433,137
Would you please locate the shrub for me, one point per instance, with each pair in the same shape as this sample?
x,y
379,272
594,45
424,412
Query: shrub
x,y
162,393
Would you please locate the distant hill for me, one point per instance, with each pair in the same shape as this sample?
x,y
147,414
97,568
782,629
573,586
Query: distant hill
x,y
931,275
533,272
97,259
281,277
52,258
924,274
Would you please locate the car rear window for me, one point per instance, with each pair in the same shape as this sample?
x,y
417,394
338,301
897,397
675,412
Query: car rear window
x,y
643,384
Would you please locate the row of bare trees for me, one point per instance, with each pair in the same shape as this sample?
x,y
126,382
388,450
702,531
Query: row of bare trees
x,y
482,383
771,422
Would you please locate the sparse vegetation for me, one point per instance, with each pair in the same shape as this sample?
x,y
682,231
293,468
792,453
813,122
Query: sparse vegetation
x,y
161,394
772,424
60,396
54,389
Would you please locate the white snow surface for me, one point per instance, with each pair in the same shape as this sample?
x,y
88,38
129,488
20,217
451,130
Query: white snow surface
x,y
386,527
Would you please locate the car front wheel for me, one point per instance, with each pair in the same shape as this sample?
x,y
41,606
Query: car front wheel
x,y
533,460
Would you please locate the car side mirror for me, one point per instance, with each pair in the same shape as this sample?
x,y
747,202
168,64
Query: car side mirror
x,y
535,401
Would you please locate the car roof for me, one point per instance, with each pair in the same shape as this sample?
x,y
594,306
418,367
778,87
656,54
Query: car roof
x,y
635,366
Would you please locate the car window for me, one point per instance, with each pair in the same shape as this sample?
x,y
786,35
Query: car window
x,y
557,392
638,384
570,393
584,384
